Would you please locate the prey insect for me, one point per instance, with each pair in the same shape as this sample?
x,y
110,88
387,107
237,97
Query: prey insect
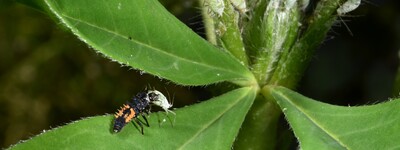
x,y
158,99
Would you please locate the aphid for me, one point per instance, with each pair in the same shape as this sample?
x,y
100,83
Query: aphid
x,y
157,98
239,5
348,6
131,110
215,7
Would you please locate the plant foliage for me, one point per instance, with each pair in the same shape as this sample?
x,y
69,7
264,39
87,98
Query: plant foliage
x,y
253,44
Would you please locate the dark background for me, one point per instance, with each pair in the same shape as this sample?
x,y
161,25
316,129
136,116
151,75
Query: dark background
x,y
48,77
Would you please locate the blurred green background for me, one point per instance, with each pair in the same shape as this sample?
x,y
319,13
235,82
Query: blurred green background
x,y
48,77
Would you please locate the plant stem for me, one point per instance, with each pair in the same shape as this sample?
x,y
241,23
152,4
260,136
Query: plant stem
x,y
282,61
222,23
279,29
252,36
208,23
230,34
293,64
259,130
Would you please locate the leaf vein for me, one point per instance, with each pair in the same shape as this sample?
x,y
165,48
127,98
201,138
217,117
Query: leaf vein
x,y
308,116
155,48
212,121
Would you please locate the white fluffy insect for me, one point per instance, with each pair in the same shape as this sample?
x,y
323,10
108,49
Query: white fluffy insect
x,y
158,99
239,5
216,7
348,6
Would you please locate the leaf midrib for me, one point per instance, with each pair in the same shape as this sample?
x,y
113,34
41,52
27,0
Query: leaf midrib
x,y
214,120
308,116
136,41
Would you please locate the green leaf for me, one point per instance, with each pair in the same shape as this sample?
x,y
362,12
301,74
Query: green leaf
x,y
144,35
212,124
319,125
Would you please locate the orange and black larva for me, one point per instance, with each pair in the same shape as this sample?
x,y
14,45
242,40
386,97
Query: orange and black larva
x,y
130,111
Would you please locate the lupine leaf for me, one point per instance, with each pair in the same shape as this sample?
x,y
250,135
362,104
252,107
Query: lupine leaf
x,y
319,125
144,35
212,124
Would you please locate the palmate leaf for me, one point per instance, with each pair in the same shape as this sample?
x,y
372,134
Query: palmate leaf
x,y
319,125
144,35
212,124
